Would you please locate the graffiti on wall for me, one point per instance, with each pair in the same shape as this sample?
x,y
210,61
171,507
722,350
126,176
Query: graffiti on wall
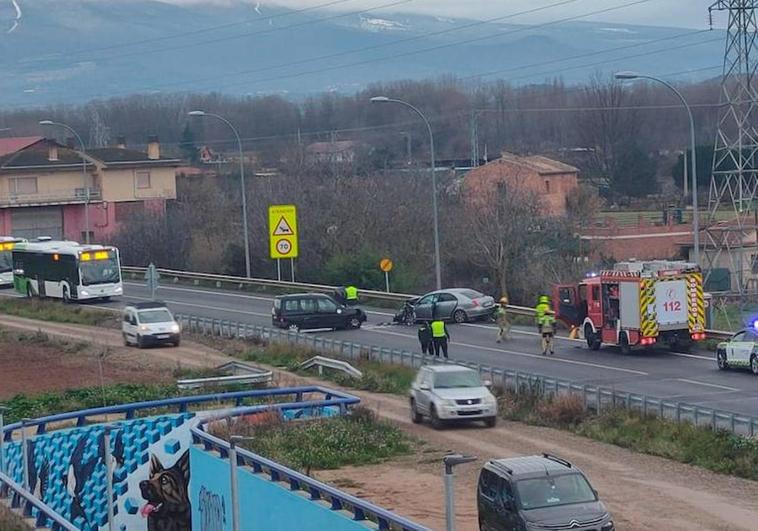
x,y
150,464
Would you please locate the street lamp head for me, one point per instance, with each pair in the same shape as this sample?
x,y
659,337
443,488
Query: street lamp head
x,y
380,99
196,113
626,74
46,122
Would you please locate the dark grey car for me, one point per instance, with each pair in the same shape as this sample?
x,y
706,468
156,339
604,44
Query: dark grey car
x,y
538,493
460,305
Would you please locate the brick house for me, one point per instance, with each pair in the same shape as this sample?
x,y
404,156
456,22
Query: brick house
x,y
43,187
553,181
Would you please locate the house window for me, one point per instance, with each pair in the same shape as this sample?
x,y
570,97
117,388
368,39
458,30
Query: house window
x,y
547,187
23,185
143,180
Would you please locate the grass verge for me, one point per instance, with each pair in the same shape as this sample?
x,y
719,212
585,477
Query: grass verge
x,y
327,444
716,450
377,377
57,312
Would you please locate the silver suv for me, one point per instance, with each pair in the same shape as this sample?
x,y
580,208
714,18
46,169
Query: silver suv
x,y
446,393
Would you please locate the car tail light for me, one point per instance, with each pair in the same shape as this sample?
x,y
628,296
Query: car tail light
x,y
647,341
475,302
698,336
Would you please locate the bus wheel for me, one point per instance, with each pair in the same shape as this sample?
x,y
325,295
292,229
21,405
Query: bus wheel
x,y
66,296
29,290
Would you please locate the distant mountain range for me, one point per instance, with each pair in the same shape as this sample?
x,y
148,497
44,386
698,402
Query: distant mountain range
x,y
55,51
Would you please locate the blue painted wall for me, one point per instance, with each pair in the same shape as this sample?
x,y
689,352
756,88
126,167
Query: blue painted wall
x,y
264,505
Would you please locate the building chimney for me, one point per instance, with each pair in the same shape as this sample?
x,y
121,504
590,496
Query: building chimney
x,y
71,142
121,142
52,152
153,148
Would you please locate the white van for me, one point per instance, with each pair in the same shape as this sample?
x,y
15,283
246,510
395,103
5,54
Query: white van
x,y
149,323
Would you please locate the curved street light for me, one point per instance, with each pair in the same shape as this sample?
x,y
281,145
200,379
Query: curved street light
x,y
627,75
437,267
84,173
245,229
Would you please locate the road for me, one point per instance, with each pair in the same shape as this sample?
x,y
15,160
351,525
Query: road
x,y
683,377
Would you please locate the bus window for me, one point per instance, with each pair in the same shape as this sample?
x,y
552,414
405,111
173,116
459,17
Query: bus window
x,y
103,271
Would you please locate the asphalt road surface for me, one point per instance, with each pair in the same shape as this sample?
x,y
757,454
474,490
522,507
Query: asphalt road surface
x,y
683,377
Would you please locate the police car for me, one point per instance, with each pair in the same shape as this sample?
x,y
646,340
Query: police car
x,y
740,351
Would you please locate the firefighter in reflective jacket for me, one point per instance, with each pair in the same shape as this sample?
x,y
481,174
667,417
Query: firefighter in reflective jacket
x,y
543,306
351,295
547,330
440,336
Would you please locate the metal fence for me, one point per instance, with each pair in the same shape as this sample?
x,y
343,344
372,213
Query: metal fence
x,y
595,398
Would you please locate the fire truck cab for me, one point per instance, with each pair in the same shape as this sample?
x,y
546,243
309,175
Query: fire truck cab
x,y
636,304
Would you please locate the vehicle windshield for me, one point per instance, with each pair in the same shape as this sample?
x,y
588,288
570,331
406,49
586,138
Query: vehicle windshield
x,y
552,491
6,261
454,380
100,272
159,315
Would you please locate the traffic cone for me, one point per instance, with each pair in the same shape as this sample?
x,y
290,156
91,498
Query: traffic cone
x,y
574,332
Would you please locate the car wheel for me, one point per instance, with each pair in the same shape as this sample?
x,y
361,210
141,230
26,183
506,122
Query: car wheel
x,y
593,341
459,316
624,345
177,342
754,364
721,360
416,417
354,323
490,422
436,421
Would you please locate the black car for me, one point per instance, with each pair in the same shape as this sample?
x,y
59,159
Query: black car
x,y
307,311
538,493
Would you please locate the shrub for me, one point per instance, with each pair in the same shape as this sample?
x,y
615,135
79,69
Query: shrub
x,y
562,411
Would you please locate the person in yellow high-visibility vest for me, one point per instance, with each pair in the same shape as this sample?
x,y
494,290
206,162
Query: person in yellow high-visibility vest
x,y
351,295
440,337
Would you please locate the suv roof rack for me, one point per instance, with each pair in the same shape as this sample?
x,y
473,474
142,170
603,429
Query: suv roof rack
x,y
501,466
557,460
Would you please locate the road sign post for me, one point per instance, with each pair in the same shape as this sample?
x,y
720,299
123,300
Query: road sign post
x,y
283,235
386,265
152,277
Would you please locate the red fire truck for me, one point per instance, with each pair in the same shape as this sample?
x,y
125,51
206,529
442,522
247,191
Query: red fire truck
x,y
636,304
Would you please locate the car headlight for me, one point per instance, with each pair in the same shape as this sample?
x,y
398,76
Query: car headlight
x,y
490,400
175,328
144,328
119,289
608,526
448,403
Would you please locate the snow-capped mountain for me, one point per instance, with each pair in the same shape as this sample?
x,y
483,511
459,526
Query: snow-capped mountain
x,y
75,50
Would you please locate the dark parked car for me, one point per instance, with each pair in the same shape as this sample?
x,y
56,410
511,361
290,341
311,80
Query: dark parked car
x,y
538,493
307,311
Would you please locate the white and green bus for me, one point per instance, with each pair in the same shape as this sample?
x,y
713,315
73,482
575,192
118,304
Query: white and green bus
x,y
66,270
7,245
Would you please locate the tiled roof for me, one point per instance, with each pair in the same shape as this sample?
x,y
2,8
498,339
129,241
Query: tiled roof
x,y
11,145
38,157
538,164
119,155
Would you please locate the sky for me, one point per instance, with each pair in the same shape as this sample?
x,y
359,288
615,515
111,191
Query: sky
x,y
676,13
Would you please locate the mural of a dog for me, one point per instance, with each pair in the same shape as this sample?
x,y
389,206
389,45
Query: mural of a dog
x,y
166,492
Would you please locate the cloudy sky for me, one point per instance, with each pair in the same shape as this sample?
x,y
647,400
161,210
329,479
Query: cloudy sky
x,y
679,13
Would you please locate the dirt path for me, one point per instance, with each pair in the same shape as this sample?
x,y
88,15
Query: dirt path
x,y
643,492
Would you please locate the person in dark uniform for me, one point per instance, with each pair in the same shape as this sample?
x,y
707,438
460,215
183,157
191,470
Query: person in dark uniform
x,y
425,338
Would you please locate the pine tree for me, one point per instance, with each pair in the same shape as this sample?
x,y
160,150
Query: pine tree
x,y
187,145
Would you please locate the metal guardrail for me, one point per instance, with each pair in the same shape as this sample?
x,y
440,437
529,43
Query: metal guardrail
x,y
196,383
361,510
20,500
338,365
596,398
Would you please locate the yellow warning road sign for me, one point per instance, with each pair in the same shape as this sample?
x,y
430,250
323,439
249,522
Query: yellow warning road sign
x,y
386,265
282,223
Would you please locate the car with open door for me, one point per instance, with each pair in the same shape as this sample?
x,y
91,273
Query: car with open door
x,y
739,352
310,311
459,305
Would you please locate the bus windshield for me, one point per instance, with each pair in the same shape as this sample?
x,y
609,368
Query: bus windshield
x,y
100,272
6,261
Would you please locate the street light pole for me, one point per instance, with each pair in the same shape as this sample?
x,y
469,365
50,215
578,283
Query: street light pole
x,y
437,266
693,159
84,173
245,228
233,440
3,409
451,461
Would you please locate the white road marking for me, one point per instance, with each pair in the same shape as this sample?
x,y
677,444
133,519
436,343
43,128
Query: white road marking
x,y
714,386
205,292
216,308
524,354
